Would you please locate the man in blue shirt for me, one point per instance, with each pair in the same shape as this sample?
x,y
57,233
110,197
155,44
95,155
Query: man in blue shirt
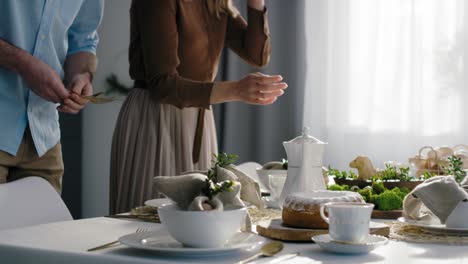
x,y
47,60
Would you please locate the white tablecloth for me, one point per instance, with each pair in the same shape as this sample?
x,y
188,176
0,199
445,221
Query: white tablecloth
x,y
66,242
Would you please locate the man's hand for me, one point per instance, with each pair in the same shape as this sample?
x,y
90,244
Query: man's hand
x,y
43,80
79,85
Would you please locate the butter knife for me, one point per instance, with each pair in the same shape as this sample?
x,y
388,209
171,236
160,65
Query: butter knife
x,y
282,258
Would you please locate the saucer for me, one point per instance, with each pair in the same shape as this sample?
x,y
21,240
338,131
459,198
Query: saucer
x,y
271,203
158,202
162,243
326,243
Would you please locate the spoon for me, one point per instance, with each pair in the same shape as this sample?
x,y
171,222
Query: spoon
x,y
268,250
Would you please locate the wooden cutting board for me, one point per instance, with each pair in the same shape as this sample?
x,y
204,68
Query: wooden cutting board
x,y
276,230
393,214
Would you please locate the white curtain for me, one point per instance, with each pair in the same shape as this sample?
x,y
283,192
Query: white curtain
x,y
386,77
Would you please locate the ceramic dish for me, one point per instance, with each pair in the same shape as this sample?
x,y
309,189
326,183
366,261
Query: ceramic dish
x,y
161,242
158,202
434,226
326,243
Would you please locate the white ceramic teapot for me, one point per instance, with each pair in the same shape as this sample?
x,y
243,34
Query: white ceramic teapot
x,y
305,154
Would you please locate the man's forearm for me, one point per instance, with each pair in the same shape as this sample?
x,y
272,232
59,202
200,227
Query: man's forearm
x,y
12,57
80,63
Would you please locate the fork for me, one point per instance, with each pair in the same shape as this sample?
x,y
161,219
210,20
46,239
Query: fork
x,y
113,243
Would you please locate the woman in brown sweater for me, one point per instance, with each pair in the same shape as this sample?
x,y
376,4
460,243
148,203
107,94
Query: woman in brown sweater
x,y
166,126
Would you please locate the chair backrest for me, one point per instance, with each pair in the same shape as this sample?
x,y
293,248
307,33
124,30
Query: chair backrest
x,y
30,201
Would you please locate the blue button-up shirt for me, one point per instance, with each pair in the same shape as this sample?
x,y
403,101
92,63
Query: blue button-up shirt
x,y
50,30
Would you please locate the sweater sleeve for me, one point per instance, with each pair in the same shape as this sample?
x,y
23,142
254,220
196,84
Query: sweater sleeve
x,y
160,39
250,41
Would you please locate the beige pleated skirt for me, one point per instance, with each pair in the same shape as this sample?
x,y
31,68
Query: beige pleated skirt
x,y
152,139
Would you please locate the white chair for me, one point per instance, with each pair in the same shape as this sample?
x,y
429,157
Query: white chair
x,y
30,201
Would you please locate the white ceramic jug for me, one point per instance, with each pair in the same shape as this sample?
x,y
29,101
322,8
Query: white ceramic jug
x,y
305,154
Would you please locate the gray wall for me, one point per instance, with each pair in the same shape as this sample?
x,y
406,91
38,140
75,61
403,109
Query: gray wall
x,y
99,120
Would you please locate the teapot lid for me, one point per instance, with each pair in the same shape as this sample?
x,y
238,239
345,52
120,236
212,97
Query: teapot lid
x,y
306,138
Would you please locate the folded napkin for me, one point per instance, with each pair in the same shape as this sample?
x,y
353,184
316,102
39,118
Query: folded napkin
x,y
184,188
250,191
464,183
440,194
181,189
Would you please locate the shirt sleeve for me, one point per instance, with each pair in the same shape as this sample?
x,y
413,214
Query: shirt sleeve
x,y
250,41
157,25
82,35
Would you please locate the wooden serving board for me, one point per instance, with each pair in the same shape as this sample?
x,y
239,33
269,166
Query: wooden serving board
x,y
276,230
393,214
389,185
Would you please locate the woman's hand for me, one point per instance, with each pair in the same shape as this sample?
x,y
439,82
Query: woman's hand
x,y
255,88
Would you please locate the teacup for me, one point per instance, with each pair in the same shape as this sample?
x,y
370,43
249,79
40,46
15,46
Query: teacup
x,y
347,222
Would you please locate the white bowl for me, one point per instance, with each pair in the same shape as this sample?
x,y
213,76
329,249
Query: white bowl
x,y
263,176
202,229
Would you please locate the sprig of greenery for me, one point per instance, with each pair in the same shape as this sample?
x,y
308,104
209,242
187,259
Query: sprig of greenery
x,y
115,86
221,160
213,187
285,164
341,175
455,168
427,175
392,173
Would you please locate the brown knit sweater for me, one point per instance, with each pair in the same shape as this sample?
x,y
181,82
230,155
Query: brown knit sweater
x,y
176,45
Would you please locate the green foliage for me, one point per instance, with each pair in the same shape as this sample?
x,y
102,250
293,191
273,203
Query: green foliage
x,y
115,86
341,175
213,187
388,200
378,187
427,175
221,160
335,187
354,188
401,192
392,173
455,168
285,164
383,198
218,187
366,194
345,187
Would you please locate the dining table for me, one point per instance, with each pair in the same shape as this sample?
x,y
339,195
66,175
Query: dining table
x,y
67,242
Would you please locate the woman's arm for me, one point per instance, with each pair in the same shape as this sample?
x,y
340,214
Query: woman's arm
x,y
256,4
158,28
250,41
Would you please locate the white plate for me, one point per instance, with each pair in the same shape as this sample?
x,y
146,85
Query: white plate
x,y
435,226
158,202
162,243
326,243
